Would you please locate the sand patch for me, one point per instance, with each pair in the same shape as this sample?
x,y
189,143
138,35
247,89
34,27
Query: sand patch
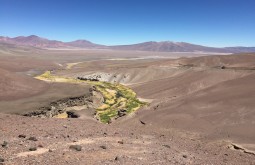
x,y
33,153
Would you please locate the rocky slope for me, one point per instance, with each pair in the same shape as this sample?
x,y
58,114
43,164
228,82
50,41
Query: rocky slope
x,y
71,107
73,141
199,113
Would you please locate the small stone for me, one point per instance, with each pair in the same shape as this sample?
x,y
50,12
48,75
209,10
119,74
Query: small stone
x,y
222,67
40,145
32,149
1,159
33,138
120,142
72,114
50,150
142,122
167,146
22,136
116,158
103,147
185,156
5,144
75,147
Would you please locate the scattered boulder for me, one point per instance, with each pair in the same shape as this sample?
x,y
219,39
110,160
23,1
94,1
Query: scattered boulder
x,y
59,107
103,147
90,78
32,148
116,158
72,114
5,144
121,142
162,136
156,107
75,147
184,156
1,159
22,136
40,145
222,67
167,146
32,138
142,122
122,112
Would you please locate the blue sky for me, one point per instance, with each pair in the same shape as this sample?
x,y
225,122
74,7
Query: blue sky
x,y
207,22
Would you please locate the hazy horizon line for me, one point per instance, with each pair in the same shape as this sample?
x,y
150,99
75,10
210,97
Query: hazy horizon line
x,y
122,44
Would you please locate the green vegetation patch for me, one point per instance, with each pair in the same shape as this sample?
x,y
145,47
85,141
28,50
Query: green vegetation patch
x,y
117,98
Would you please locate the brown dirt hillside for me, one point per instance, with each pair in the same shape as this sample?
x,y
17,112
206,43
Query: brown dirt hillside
x,y
14,86
198,112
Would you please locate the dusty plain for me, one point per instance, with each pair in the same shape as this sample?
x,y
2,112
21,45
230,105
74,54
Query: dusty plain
x,y
200,108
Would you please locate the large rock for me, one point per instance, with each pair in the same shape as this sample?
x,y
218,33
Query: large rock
x,y
76,147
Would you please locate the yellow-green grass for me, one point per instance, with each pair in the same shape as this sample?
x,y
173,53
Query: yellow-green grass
x,y
47,76
123,98
62,116
116,96
71,65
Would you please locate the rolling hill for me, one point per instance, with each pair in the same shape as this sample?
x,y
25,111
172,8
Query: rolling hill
x,y
165,46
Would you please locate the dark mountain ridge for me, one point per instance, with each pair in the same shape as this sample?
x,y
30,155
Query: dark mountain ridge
x,y
165,46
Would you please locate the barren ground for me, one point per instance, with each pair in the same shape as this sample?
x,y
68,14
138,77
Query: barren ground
x,y
201,108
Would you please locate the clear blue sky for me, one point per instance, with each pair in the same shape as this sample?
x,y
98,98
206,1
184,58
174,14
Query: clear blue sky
x,y
206,22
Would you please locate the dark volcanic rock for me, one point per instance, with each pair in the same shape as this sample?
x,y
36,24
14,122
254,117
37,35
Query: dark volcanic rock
x,y
142,122
91,78
122,112
33,149
76,147
60,106
32,138
5,144
103,147
40,145
22,136
1,160
116,158
167,146
72,114
222,67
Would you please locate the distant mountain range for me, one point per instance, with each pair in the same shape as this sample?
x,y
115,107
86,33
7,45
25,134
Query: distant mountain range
x,y
166,46
39,42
